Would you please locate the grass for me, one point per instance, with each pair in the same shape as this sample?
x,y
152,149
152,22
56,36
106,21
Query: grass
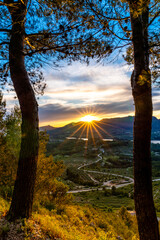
x,y
99,200
105,177
73,222
75,160
79,223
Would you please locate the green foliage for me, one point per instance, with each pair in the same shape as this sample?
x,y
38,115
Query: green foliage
x,y
79,176
4,205
126,216
4,230
113,190
65,148
79,223
13,131
2,111
104,200
9,148
73,222
120,192
48,190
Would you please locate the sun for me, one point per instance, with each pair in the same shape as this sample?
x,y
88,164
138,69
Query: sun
x,y
89,118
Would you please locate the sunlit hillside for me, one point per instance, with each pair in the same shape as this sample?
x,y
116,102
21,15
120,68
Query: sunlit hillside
x,y
70,223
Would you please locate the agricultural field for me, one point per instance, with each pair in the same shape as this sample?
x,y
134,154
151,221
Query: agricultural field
x,y
102,176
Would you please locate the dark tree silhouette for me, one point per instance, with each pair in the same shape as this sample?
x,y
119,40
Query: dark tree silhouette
x,y
88,29
141,90
132,24
35,29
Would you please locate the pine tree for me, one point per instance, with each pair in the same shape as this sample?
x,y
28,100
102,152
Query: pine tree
x,y
134,24
30,31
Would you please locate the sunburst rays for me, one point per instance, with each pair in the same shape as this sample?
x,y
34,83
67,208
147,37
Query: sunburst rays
x,y
89,130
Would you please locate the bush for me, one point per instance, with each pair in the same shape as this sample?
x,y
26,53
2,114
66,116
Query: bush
x,y
6,192
126,216
107,192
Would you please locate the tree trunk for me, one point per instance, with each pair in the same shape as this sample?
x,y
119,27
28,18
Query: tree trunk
x,y
22,200
141,90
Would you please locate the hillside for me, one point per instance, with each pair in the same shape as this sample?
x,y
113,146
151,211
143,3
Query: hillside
x,y
46,128
121,128
71,222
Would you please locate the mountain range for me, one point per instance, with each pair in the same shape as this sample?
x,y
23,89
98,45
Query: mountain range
x,y
120,128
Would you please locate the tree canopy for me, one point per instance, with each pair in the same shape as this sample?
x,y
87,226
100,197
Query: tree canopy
x,y
53,31
76,30
80,30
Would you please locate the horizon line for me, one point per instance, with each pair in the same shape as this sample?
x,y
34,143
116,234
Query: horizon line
x,y
71,122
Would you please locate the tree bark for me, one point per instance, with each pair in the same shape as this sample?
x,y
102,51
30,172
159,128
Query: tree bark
x,y
22,200
141,90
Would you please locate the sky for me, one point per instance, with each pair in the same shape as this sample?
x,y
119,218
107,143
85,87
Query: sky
x,y
76,90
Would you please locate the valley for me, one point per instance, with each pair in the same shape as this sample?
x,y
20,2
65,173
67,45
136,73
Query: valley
x,y
100,173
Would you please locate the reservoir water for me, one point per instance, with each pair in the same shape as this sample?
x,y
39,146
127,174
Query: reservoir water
x,y
107,139
155,141
86,139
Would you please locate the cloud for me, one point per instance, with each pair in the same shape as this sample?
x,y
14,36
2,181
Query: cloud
x,y
58,112
68,76
79,75
83,85
156,92
74,89
156,106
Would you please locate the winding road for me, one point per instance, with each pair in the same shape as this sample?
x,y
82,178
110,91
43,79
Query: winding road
x,y
107,185
88,164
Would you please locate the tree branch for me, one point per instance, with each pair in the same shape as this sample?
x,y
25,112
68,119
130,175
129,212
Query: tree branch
x,y
5,30
107,27
107,18
3,43
59,48
155,16
7,3
51,34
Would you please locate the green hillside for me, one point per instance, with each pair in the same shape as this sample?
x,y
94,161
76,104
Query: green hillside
x,y
73,222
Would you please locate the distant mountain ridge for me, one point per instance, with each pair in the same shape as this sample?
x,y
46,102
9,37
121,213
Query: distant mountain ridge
x,y
46,128
121,128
